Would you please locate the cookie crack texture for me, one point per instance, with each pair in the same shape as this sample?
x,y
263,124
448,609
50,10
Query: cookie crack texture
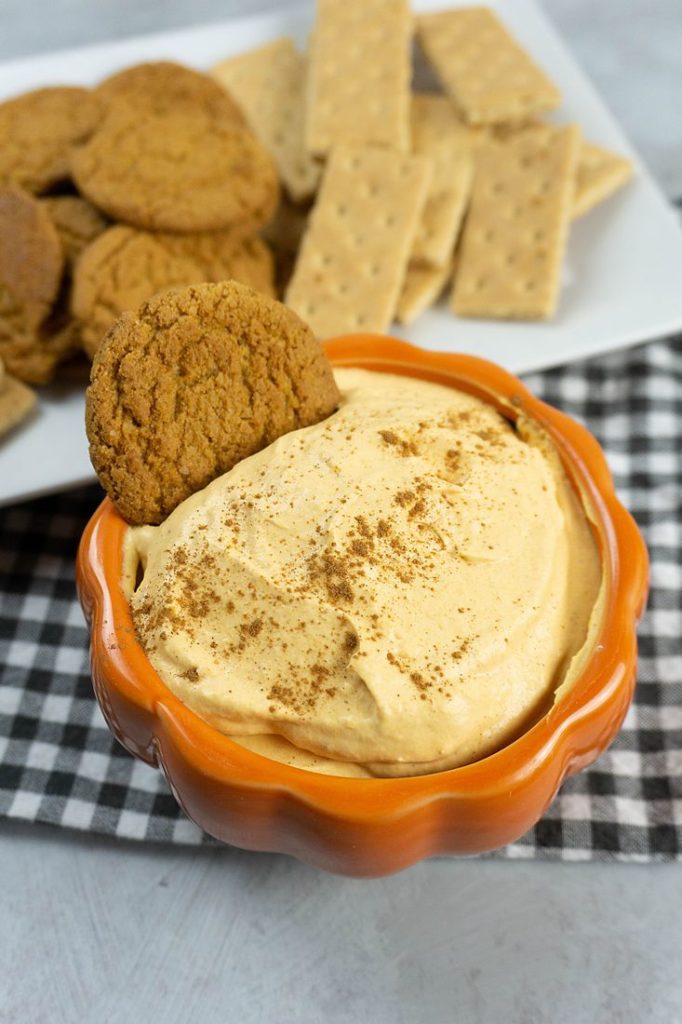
x,y
200,378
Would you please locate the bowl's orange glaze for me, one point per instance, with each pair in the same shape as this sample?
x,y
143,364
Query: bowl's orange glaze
x,y
377,826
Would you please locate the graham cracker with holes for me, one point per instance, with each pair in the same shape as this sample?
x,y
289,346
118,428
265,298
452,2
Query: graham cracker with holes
x,y
16,402
353,257
421,287
268,83
489,75
510,256
441,136
599,174
359,75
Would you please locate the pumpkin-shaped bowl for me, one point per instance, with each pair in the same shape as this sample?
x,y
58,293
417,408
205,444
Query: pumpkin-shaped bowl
x,y
377,826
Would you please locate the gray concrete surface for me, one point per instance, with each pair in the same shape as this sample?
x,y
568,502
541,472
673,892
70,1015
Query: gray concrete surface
x,y
114,932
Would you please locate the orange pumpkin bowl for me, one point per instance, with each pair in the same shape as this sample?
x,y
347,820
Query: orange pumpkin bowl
x,y
378,826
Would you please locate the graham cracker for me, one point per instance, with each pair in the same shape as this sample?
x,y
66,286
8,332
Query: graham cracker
x,y
268,83
359,75
599,174
441,136
353,257
489,75
512,246
421,288
16,402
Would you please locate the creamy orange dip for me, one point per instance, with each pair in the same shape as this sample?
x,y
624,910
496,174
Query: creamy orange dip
x,y
399,589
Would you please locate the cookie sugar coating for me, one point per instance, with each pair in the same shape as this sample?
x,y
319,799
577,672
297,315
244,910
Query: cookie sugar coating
x,y
38,132
199,379
186,169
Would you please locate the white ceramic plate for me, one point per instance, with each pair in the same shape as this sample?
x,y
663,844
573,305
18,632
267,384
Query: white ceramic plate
x,y
623,271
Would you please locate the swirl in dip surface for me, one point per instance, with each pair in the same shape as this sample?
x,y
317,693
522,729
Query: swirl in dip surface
x,y
399,589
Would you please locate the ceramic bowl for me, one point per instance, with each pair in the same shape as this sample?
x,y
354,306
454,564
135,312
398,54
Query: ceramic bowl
x,y
378,826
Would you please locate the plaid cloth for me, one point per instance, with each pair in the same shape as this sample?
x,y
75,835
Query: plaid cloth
x,y
59,763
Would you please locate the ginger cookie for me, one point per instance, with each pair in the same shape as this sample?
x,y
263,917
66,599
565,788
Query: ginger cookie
x,y
164,86
284,234
119,271
38,132
124,267
31,265
191,168
220,258
198,379
78,223
16,402
38,353
60,335
34,353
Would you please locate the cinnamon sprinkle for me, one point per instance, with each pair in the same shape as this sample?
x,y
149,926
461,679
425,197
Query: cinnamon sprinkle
x,y
404,447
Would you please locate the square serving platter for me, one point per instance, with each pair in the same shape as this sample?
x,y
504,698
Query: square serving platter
x,y
622,275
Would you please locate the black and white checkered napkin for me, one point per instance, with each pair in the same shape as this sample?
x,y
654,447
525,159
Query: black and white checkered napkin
x,y
59,763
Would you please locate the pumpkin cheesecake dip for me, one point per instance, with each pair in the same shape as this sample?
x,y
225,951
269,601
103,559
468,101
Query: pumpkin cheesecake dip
x,y
400,588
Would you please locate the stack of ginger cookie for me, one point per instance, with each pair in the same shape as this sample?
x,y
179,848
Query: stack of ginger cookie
x,y
151,180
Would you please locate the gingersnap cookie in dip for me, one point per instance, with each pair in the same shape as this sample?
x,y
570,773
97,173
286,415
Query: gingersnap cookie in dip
x,y
191,168
197,380
38,132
